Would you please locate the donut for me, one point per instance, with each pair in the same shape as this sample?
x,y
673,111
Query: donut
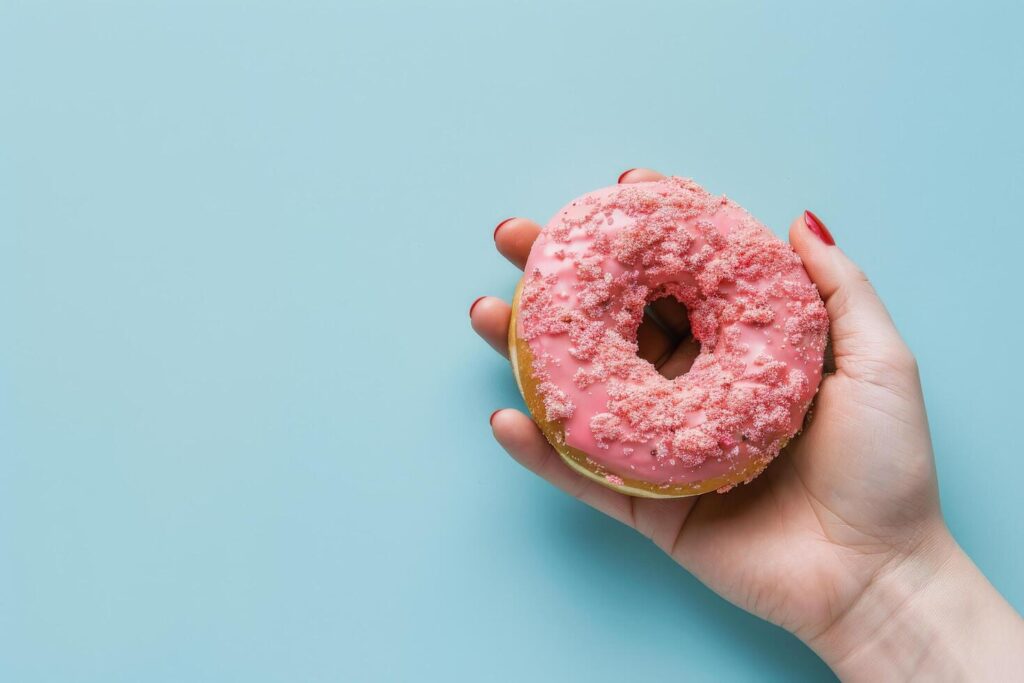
x,y
610,414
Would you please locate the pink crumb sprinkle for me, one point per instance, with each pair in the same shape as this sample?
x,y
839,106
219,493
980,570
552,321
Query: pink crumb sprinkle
x,y
619,250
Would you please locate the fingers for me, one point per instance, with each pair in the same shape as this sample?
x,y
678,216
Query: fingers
x,y
685,349
518,435
639,175
489,317
681,359
653,342
672,315
513,237
864,338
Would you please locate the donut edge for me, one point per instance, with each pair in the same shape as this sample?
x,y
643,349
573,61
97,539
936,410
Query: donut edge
x,y
521,358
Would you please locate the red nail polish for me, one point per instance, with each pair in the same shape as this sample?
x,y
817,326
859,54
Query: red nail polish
x,y
491,420
624,174
473,305
815,225
496,229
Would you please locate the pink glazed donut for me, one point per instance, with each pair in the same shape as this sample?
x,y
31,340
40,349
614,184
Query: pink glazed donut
x,y
758,318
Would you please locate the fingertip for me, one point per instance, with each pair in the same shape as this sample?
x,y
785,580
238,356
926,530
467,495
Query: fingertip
x,y
638,175
500,225
826,264
514,238
814,253
798,233
520,436
504,416
474,318
818,227
860,326
489,317
473,305
517,433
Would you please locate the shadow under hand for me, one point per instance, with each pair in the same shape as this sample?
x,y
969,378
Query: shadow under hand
x,y
641,590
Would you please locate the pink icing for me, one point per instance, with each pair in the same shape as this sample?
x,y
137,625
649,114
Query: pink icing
x,y
759,320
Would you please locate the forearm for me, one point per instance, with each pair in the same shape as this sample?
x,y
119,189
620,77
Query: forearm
x,y
932,616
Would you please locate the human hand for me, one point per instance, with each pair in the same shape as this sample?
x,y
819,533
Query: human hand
x,y
841,540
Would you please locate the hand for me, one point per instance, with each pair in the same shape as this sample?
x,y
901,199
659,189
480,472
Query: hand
x,y
841,540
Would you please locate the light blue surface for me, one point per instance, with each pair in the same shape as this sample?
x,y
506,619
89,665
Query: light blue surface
x,y
243,419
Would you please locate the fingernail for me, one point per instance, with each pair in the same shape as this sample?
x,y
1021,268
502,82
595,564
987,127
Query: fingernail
x,y
491,420
624,174
473,305
815,225
496,229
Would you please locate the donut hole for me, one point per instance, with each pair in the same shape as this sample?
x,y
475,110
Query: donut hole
x,y
664,339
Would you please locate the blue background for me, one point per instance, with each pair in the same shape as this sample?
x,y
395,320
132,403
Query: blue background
x,y
243,419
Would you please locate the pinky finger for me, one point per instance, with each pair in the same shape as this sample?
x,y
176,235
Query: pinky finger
x,y
518,435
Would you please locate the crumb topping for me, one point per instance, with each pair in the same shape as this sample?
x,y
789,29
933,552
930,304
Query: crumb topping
x,y
759,320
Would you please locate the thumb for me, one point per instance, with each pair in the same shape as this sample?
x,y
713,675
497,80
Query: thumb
x,y
865,341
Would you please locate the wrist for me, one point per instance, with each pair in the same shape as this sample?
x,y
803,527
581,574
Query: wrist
x,y
929,614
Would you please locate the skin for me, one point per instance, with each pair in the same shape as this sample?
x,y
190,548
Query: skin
x,y
841,541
